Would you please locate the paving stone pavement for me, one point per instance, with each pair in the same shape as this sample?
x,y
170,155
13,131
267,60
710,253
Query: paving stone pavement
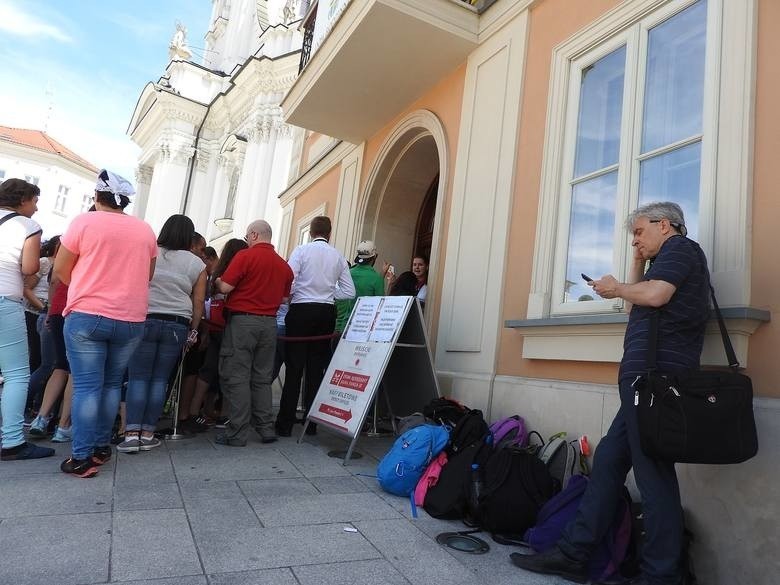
x,y
195,513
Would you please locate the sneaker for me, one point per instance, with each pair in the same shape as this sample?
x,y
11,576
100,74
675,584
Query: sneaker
x,y
267,435
132,445
38,427
194,425
25,451
149,444
82,468
62,435
222,422
101,455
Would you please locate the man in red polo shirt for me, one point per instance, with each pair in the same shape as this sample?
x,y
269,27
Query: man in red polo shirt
x,y
256,282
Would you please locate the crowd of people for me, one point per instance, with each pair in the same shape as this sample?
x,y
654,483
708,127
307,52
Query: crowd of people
x,y
99,324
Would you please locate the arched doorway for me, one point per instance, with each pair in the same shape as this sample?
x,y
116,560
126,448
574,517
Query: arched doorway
x,y
402,204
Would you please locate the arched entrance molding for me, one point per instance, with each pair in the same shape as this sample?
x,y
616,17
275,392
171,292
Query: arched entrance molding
x,y
409,133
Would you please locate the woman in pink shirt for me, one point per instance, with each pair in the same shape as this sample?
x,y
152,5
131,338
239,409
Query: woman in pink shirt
x,y
107,259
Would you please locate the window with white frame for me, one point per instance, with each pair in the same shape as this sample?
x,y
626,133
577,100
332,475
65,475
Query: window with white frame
x,y
634,132
62,198
31,179
86,202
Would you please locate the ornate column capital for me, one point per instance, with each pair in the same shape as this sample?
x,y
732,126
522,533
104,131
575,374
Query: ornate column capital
x,y
143,174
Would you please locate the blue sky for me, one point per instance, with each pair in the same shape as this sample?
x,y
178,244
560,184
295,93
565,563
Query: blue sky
x,y
93,57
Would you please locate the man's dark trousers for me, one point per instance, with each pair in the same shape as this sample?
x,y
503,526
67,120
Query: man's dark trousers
x,y
617,452
304,320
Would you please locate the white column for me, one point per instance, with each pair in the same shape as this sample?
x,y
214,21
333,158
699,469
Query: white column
x,y
243,211
143,180
225,167
168,182
202,190
279,168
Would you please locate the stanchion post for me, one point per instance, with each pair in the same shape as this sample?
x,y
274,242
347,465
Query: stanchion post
x,y
175,435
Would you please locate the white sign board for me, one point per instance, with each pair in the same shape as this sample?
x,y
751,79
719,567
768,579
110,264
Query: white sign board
x,y
356,367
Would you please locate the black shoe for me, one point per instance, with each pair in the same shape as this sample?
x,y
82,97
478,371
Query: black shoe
x,y
101,455
283,430
552,562
193,425
25,451
267,435
83,468
222,439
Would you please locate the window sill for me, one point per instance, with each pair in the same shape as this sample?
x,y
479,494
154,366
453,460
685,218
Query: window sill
x,y
599,338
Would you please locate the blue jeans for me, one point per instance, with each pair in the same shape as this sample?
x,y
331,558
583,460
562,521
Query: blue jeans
x,y
40,376
149,371
99,350
616,454
15,365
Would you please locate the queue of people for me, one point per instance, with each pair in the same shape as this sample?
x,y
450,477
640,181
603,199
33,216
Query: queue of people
x,y
106,314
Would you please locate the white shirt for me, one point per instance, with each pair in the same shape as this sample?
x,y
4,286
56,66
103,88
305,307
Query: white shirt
x,y
13,235
321,274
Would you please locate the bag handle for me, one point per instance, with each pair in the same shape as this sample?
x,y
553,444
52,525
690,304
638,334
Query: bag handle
x,y
11,215
724,334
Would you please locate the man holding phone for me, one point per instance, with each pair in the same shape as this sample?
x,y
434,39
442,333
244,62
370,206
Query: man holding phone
x,y
676,286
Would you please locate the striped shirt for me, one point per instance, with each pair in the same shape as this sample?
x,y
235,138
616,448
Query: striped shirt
x,y
681,323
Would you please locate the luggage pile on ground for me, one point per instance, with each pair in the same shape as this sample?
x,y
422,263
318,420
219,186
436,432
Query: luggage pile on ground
x,y
499,478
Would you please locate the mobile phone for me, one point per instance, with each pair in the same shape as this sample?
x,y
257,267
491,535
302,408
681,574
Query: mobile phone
x,y
391,269
585,277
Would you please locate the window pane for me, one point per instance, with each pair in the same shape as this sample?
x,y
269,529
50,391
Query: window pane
x,y
674,176
601,104
591,235
674,89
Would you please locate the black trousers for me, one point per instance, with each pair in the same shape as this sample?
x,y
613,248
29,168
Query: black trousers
x,y
305,320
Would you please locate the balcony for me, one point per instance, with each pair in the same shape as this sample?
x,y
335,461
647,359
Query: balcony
x,y
378,57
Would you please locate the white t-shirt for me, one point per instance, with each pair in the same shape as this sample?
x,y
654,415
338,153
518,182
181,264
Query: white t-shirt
x,y
13,235
321,274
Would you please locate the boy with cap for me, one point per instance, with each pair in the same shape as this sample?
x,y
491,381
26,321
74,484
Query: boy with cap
x,y
368,283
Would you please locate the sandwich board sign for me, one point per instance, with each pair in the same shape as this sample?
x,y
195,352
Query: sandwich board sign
x,y
385,343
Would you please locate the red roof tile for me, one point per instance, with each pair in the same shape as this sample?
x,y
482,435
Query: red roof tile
x,y
41,141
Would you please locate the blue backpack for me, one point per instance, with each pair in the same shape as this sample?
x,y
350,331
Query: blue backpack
x,y
402,467
562,508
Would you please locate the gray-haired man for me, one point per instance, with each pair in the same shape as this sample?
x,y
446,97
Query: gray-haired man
x,y
676,286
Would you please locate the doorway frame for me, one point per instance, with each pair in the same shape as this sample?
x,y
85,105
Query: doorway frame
x,y
411,128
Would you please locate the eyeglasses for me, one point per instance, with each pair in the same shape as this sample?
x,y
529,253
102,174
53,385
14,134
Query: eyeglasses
x,y
248,237
678,226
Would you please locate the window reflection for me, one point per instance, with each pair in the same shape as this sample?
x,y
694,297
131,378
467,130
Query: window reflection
x,y
674,86
601,104
674,176
591,234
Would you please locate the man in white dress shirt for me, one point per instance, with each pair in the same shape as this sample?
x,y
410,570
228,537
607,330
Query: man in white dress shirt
x,y
321,276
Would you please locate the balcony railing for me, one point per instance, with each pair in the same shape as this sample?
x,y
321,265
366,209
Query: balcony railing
x,y
308,37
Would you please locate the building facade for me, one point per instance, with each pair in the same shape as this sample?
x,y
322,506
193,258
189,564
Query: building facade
x,y
213,141
66,181
509,139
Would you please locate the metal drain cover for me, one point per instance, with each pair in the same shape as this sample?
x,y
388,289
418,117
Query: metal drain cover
x,y
463,542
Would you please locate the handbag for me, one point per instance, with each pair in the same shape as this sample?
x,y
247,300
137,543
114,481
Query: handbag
x,y
705,416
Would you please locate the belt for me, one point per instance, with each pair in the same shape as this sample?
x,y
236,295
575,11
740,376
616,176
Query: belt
x,y
171,318
235,313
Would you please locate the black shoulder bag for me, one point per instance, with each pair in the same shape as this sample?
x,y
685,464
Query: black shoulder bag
x,y
11,215
705,416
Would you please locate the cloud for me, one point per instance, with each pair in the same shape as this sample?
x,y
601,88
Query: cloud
x,y
15,21
141,28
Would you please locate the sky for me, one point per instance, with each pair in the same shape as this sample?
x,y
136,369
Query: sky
x,y
88,60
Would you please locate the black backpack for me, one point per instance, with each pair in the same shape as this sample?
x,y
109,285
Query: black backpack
x,y
471,429
448,498
515,486
445,411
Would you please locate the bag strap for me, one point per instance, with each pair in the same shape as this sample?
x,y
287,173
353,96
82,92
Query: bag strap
x,y
11,215
652,346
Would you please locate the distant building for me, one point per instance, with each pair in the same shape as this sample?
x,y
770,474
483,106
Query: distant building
x,y
66,180
213,141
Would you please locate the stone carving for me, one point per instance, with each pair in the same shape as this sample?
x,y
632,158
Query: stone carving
x,y
178,49
143,174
